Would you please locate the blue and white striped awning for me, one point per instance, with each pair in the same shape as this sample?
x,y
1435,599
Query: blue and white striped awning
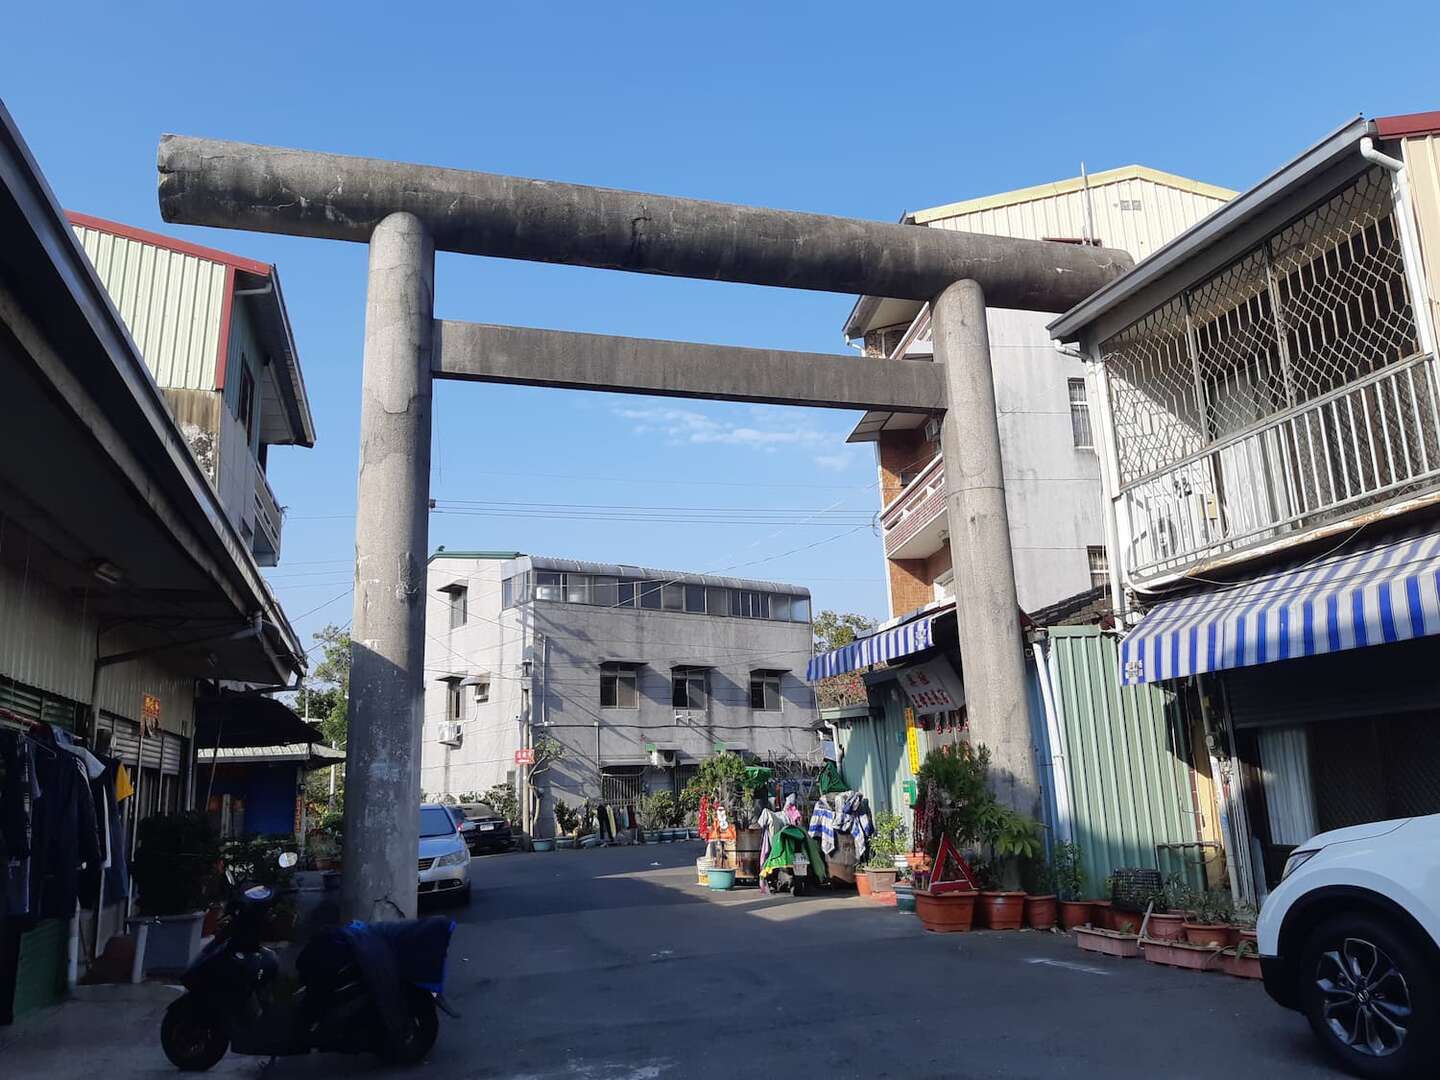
x,y
876,648
1382,592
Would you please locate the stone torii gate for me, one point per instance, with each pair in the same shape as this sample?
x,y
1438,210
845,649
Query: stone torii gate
x,y
407,212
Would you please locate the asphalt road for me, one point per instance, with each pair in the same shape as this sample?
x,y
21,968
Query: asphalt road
x,y
613,965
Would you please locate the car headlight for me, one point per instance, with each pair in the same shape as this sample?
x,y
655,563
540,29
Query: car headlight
x,y
1296,860
455,858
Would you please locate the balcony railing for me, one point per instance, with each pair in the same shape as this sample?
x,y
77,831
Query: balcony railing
x,y
269,520
1367,444
915,519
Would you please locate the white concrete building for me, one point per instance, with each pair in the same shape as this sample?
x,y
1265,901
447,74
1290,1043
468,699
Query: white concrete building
x,y
1052,473
637,672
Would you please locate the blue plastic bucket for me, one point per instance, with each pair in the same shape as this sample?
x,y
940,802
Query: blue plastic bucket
x,y
721,880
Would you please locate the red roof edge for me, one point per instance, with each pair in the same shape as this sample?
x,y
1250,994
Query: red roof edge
x,y
114,228
1397,127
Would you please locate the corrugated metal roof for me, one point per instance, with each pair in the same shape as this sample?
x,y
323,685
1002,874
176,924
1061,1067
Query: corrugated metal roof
x,y
1073,184
172,302
647,573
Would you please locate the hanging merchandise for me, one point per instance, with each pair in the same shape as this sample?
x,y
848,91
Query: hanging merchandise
x,y
830,780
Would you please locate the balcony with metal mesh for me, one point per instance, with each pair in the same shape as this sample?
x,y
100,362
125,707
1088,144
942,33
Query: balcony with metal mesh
x,y
1287,391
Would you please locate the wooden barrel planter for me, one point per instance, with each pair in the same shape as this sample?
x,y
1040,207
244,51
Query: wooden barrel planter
x,y
945,913
747,853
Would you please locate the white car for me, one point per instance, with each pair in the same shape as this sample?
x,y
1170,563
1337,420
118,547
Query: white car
x,y
444,858
1351,938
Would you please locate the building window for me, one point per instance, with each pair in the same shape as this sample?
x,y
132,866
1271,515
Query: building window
x,y
455,701
547,585
577,588
799,609
717,601
1099,567
246,410
764,691
1080,416
688,688
617,688
672,597
604,591
695,599
649,594
482,691
459,605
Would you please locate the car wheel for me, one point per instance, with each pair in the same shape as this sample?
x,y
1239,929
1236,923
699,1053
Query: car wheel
x,y
1370,996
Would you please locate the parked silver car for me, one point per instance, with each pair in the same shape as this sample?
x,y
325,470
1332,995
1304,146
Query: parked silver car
x,y
444,856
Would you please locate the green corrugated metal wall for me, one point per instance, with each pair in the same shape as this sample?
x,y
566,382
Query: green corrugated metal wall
x,y
876,759
1125,759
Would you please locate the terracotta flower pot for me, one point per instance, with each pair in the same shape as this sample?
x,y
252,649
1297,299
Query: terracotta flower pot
x,y
1178,954
1168,927
1100,913
882,881
1242,936
918,860
1074,913
1000,910
1107,942
862,883
1242,967
1040,911
1211,935
1123,922
947,913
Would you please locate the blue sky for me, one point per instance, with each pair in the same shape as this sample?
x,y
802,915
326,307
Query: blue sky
x,y
856,109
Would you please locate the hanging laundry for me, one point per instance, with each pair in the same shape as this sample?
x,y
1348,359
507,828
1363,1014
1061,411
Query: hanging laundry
x,y
123,787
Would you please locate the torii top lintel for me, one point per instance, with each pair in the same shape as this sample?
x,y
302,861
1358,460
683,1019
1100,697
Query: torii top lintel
x,y
331,196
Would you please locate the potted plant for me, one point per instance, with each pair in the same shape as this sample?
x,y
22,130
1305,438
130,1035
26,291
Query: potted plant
x,y
1243,920
256,861
1243,961
1096,939
1209,922
888,842
945,913
905,891
1069,873
567,820
176,874
1010,837
1168,906
1041,909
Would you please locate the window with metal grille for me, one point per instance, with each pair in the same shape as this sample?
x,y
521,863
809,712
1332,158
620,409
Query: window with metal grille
x,y
1099,567
764,692
459,605
1284,390
618,688
1080,416
688,688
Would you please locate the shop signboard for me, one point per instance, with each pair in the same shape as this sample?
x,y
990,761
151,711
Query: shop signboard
x,y
525,756
150,713
932,687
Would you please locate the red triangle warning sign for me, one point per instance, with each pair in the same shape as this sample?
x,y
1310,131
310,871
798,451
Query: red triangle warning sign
x,y
951,873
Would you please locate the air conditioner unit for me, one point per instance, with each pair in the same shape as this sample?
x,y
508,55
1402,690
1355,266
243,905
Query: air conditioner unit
x,y
452,732
663,758
932,429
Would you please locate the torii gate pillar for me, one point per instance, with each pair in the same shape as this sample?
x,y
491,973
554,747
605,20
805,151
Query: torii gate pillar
x,y
392,530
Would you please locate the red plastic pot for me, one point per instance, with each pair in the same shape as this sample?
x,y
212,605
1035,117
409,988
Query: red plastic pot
x,y
1075,913
1040,911
1000,910
946,913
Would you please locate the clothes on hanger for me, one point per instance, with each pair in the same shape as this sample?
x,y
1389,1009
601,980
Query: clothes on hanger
x,y
65,836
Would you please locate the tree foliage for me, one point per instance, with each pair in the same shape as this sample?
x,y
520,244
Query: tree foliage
x,y
834,630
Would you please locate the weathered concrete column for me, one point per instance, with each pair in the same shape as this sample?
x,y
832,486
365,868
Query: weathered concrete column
x,y
991,649
382,784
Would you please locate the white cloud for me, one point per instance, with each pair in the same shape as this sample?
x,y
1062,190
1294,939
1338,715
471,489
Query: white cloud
x,y
836,462
689,426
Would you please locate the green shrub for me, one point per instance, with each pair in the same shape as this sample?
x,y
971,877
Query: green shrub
x,y
176,864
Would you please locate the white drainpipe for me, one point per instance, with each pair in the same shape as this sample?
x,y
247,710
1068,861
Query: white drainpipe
x,y
1410,247
1064,831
